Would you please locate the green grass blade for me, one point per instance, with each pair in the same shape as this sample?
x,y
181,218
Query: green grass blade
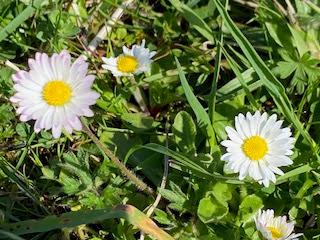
x,y
181,159
194,19
234,88
213,92
271,83
292,173
10,235
202,116
25,185
185,162
73,219
22,17
241,80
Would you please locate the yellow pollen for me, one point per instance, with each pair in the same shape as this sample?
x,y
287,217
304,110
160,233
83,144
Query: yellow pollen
x,y
255,148
56,93
276,233
127,64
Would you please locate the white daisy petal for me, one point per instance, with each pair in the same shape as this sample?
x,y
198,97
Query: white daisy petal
x,y
254,171
257,147
56,131
233,135
52,84
75,123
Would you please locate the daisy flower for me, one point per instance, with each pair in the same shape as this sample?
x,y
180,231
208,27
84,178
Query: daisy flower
x,y
275,228
54,92
133,61
258,146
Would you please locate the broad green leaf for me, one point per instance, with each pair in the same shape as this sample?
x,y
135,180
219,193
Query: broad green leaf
x,y
22,130
138,121
299,40
113,138
184,131
276,25
249,207
210,209
222,192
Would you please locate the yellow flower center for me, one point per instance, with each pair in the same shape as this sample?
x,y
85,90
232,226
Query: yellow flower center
x,y
56,93
276,233
255,147
127,64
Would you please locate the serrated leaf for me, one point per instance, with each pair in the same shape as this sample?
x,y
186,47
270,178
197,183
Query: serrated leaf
x,y
48,173
175,188
172,196
70,184
161,217
285,69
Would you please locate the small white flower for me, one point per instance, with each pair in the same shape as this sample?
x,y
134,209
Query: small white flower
x,y
132,61
55,92
258,146
275,228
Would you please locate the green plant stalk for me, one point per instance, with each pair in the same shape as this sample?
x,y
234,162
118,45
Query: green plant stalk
x,y
138,95
73,219
22,17
305,187
25,150
124,170
313,6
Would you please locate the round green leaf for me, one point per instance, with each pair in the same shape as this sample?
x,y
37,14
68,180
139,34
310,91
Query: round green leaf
x,y
210,209
249,208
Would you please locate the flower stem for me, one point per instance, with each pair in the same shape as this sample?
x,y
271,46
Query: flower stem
x,y
124,170
138,95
